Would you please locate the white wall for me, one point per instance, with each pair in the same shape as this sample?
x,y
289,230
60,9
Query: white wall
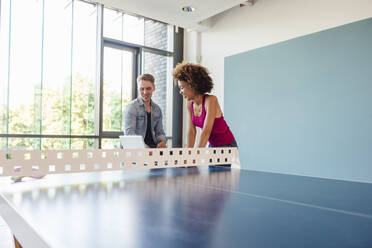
x,y
192,42
267,22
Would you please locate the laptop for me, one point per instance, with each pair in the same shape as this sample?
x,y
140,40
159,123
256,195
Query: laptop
x,y
132,141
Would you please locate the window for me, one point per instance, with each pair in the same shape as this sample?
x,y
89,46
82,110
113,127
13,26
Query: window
x,y
118,77
120,26
49,83
158,35
160,67
23,74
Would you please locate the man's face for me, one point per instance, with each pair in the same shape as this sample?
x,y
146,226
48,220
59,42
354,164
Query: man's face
x,y
146,88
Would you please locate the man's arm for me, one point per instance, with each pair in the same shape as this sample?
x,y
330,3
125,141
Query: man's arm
x,y
159,132
130,120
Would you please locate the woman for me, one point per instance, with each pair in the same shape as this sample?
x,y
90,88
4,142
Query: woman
x,y
203,109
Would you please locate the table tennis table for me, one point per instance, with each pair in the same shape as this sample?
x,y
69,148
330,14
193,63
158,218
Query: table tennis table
x,y
208,206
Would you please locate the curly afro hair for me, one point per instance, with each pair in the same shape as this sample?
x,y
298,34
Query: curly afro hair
x,y
196,76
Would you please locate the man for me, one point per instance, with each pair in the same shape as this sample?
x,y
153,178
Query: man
x,y
143,117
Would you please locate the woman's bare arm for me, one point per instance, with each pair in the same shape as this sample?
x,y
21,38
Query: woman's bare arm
x,y
191,133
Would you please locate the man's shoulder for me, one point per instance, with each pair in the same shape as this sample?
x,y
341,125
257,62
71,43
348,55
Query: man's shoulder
x,y
132,106
134,102
157,109
155,106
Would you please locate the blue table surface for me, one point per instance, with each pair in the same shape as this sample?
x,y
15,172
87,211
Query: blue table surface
x,y
195,207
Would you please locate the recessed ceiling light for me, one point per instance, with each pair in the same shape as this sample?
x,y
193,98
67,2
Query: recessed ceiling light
x,y
188,9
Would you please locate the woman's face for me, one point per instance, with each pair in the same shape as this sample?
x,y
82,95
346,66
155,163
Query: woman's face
x,y
186,90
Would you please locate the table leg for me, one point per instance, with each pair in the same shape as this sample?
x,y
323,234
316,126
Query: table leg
x,y
16,243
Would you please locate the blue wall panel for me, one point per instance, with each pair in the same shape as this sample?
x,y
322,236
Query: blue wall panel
x,y
304,106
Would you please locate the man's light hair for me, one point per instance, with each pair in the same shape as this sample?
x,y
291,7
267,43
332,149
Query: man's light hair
x,y
146,77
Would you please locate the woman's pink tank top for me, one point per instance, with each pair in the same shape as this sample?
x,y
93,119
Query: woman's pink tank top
x,y
221,134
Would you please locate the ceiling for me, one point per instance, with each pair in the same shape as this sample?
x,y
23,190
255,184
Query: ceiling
x,y
170,11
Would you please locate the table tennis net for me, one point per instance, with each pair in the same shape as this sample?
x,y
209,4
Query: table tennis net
x,y
42,162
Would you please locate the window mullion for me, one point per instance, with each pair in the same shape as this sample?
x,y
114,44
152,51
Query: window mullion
x,y
41,74
98,99
71,59
9,60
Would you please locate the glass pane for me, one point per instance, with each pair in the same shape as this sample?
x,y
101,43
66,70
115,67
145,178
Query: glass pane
x,y
23,143
64,143
133,29
3,144
4,51
82,143
83,68
46,143
55,144
120,26
117,91
112,24
158,35
110,143
25,66
57,67
161,68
